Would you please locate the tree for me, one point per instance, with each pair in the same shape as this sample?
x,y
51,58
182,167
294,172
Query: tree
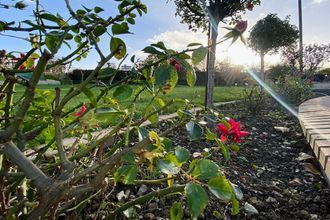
x,y
269,35
314,55
35,184
205,15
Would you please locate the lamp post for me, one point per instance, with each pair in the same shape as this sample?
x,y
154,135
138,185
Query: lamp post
x,y
301,65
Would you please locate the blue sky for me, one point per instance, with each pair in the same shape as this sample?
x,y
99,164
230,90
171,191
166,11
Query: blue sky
x,y
161,24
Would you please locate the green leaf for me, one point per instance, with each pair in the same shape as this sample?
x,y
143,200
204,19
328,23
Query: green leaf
x,y
176,211
131,175
168,167
51,42
50,17
127,172
235,206
182,154
194,130
205,169
194,44
123,92
166,76
77,39
98,9
168,144
108,114
143,133
159,45
116,43
197,199
130,20
191,77
210,135
128,158
153,118
223,148
220,187
152,50
199,55
99,30
90,96
120,29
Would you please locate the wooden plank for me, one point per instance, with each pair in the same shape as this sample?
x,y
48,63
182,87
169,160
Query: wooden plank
x,y
314,118
324,156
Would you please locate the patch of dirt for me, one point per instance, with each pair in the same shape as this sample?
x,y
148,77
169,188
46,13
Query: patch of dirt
x,y
266,168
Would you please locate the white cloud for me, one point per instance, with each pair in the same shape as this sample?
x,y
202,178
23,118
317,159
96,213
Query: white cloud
x,y
318,2
178,40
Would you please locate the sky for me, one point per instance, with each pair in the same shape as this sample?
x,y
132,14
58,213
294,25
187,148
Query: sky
x,y
161,24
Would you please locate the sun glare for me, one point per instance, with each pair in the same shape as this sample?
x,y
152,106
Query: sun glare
x,y
239,54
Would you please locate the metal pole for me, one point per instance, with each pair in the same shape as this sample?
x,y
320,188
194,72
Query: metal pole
x,y
301,65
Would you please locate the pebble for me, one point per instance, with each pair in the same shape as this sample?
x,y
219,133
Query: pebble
x,y
271,200
152,205
304,213
149,216
142,189
317,199
314,216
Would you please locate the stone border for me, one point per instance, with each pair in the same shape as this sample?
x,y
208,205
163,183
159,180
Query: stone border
x,y
314,118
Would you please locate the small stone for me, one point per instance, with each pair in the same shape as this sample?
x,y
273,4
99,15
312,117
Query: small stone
x,y
314,216
304,213
317,199
271,200
152,205
149,216
286,143
278,194
121,195
254,129
250,209
253,200
143,188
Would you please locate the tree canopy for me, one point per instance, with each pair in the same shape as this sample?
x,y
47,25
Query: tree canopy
x,y
271,33
193,12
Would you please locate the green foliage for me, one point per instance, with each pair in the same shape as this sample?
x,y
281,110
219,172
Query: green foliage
x,y
193,12
271,33
294,90
197,199
278,73
254,98
40,123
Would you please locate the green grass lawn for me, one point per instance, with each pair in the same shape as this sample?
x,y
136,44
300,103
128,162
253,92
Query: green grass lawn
x,y
195,94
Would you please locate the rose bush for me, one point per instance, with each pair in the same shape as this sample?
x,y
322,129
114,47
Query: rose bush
x,y
44,177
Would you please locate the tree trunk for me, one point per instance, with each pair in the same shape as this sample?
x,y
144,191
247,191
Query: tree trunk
x,y
213,34
262,66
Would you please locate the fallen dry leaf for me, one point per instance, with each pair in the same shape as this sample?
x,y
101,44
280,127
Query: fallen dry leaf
x,y
312,169
303,156
296,181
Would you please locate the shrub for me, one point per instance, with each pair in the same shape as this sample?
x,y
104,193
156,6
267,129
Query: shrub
x,y
254,99
43,177
294,89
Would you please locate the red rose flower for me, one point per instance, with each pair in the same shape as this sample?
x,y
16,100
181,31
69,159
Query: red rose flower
x,y
175,63
82,110
241,26
233,131
249,6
